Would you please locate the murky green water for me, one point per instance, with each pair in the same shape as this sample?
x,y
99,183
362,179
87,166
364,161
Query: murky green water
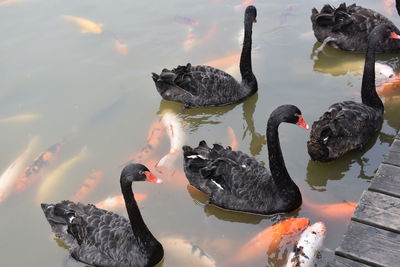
x,y
79,88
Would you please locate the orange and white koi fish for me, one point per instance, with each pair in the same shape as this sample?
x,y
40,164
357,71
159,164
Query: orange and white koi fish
x,y
20,118
9,177
117,202
229,64
193,39
10,2
338,211
87,26
32,172
53,179
88,186
308,246
176,136
156,132
121,47
232,138
389,88
181,252
269,239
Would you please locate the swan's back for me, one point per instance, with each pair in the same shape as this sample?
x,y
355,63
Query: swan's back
x,y
199,86
345,126
98,237
349,27
236,181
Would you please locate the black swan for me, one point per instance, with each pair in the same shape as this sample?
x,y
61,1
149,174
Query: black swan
x,y
103,238
348,28
233,180
349,125
201,86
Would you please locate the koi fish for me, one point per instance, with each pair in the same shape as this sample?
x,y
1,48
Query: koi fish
x,y
53,179
389,7
176,136
306,249
246,3
88,186
383,70
180,252
117,202
121,47
389,88
33,170
10,2
334,211
232,138
269,239
190,40
229,64
9,177
20,118
186,21
87,26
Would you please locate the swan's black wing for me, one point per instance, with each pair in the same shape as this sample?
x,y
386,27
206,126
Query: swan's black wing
x,y
95,236
232,179
198,86
348,28
345,126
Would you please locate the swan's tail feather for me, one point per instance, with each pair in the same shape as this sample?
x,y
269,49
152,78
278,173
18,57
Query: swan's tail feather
x,y
155,76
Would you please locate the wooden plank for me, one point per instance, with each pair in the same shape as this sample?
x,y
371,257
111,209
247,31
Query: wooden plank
x,y
379,210
343,262
395,147
392,158
370,245
387,180
398,135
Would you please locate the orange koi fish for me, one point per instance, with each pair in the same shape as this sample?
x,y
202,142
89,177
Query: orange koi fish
x,y
176,136
20,118
9,177
389,7
156,132
389,88
246,3
232,138
9,2
121,47
87,26
334,211
31,173
117,202
227,63
88,186
269,239
193,39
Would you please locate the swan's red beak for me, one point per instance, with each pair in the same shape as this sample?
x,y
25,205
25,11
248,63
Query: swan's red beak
x,y
152,178
302,123
394,35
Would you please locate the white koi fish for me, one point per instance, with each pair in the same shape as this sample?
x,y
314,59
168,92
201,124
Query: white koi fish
x,y
20,118
10,177
383,70
176,136
310,242
87,26
180,252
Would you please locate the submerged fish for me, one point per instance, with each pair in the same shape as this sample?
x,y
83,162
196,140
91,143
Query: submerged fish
x,y
228,63
269,239
33,170
53,179
117,202
87,26
389,7
341,211
389,88
10,2
306,249
121,47
186,21
176,137
20,118
232,138
179,252
88,186
9,177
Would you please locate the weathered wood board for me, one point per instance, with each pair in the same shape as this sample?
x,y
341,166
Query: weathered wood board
x,y
370,245
343,262
387,180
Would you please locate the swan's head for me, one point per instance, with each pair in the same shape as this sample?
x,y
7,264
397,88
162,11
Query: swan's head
x,y
138,172
251,13
289,114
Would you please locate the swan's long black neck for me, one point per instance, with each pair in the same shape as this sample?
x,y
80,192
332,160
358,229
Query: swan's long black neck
x,y
368,89
398,6
246,70
276,163
139,228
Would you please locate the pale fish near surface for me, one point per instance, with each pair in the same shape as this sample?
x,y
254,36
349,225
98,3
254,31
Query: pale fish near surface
x,y
310,242
176,136
180,252
9,177
20,118
87,26
53,179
